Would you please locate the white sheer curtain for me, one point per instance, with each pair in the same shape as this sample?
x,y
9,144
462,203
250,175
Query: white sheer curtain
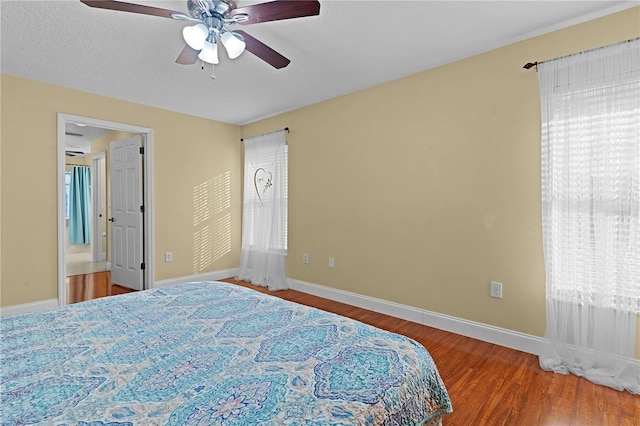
x,y
591,213
264,215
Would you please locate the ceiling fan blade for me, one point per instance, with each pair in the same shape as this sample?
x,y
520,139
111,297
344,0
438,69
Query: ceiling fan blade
x,y
276,10
263,51
188,56
135,8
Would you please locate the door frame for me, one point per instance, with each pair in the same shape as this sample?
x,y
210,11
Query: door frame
x,y
147,175
97,197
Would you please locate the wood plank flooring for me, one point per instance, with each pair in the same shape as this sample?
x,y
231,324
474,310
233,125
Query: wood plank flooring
x,y
92,286
487,384
494,385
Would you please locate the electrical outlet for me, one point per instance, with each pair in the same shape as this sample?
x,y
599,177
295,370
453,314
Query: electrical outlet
x,y
496,289
305,257
332,262
168,257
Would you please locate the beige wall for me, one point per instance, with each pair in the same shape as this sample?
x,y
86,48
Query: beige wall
x,y
427,188
191,157
76,161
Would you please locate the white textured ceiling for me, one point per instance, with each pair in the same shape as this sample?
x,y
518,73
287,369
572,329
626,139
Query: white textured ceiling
x,y
351,45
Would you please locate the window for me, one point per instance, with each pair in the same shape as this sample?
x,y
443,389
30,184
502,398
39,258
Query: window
x,y
592,171
260,176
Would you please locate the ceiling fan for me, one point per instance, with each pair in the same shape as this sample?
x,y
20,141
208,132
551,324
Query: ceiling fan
x,y
212,21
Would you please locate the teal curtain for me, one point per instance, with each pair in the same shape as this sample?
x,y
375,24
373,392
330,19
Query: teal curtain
x,y
79,205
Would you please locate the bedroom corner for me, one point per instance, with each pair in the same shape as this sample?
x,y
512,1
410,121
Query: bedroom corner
x,y
188,151
427,188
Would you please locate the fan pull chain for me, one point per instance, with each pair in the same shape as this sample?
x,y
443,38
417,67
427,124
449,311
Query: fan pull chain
x,y
213,70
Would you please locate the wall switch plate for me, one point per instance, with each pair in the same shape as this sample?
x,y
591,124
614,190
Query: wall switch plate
x,y
332,262
496,289
305,257
168,257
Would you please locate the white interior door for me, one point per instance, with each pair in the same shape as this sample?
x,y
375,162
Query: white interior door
x,y
126,212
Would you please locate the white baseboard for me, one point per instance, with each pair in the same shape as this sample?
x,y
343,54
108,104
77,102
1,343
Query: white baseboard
x,y
487,333
207,276
26,308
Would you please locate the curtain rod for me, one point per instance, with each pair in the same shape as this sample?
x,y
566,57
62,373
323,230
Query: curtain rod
x,y
78,165
286,129
530,65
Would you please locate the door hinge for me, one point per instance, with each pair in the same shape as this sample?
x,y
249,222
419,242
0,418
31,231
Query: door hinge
x,y
142,266
142,150
141,209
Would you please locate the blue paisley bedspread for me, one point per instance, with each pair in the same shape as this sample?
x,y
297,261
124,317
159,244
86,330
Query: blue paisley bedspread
x,y
210,353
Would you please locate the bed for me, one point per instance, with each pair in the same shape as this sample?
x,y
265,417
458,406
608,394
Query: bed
x,y
211,353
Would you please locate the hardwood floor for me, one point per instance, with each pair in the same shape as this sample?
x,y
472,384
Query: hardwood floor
x,y
487,384
92,286
494,385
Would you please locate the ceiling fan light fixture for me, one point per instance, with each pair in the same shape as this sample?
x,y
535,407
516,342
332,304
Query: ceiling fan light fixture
x,y
209,53
195,36
234,43
212,19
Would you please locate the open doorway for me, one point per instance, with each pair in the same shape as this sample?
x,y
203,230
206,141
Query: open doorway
x,y
66,122
85,199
